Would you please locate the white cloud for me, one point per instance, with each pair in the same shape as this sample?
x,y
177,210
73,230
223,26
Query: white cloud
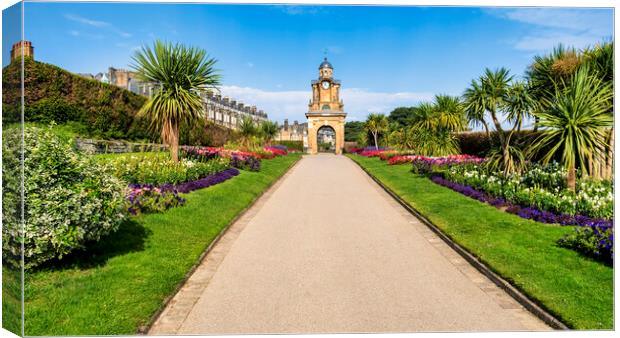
x,y
298,10
97,24
358,102
86,21
551,26
547,40
76,33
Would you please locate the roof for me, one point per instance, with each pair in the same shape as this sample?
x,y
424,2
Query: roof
x,y
325,64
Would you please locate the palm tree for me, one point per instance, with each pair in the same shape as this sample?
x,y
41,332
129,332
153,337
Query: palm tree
x,y
433,125
375,124
548,71
495,87
424,116
247,130
180,73
519,104
601,60
495,84
269,130
450,113
575,121
475,106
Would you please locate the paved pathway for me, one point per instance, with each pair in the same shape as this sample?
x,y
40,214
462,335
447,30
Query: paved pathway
x,y
326,251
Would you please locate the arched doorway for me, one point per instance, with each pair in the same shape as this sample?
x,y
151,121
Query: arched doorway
x,y
326,139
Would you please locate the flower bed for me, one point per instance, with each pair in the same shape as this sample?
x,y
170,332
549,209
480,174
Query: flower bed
x,y
371,153
436,161
144,198
368,151
207,181
539,187
238,159
277,150
389,154
158,170
593,236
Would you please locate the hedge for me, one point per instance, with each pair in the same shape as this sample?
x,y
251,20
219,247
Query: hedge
x,y
479,144
53,94
291,145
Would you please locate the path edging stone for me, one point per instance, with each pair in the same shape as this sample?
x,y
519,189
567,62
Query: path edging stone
x,y
142,330
515,293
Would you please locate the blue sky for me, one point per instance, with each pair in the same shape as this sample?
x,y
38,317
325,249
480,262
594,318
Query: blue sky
x,y
384,56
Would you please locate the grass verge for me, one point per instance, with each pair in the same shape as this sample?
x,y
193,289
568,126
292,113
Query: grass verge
x,y
574,288
120,282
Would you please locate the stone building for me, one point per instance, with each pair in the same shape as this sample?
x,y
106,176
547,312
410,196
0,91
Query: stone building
x,y
228,112
20,48
129,80
294,132
223,111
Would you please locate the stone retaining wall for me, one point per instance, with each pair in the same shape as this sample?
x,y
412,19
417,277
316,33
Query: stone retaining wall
x,y
104,146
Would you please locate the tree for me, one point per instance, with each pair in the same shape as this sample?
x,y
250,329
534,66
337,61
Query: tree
x,y
548,71
352,129
375,124
401,115
575,121
449,113
269,130
601,60
247,130
554,72
180,74
496,94
431,127
475,106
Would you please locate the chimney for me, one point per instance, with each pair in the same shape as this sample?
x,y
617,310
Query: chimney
x,y
20,48
226,100
253,110
286,124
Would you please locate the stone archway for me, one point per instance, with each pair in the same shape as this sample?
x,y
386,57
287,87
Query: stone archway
x,y
317,120
326,139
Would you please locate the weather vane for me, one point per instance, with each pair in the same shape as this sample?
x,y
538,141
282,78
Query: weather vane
x,y
325,53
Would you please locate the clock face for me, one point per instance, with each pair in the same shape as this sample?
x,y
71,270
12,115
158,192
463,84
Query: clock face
x,y
325,84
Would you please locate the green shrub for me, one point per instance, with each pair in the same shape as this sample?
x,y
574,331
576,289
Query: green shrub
x,y
53,110
291,145
69,199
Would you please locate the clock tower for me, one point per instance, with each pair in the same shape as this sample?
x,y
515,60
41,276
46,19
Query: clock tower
x,y
326,109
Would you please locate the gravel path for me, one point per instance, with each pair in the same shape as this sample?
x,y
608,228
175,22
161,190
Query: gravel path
x,y
327,251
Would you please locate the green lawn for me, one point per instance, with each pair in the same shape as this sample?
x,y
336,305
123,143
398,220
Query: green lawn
x,y
11,299
119,283
577,290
